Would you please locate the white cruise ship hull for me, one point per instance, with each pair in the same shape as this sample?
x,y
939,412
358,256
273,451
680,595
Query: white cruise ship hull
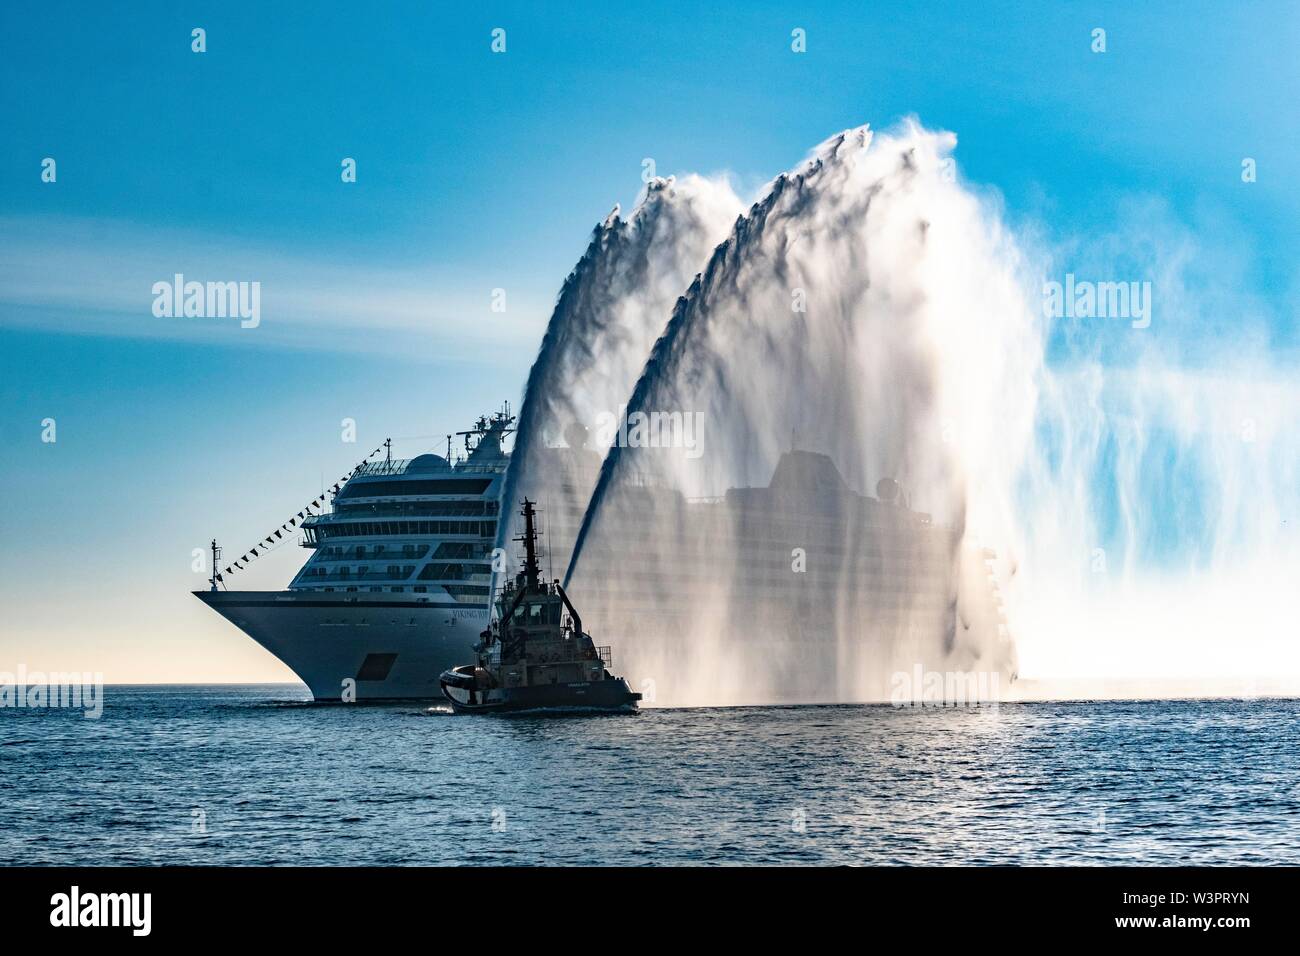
x,y
384,647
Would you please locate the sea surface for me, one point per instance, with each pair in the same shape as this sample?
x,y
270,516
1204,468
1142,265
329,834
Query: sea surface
x,y
259,775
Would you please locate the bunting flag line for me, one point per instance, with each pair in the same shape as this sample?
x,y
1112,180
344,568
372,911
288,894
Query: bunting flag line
x,y
312,509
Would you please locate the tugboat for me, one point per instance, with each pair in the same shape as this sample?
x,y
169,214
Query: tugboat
x,y
535,656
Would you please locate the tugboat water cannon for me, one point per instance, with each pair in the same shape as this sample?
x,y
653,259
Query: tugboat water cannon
x,y
535,656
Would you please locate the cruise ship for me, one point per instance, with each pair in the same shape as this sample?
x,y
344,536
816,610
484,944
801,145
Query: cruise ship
x,y
397,587
802,590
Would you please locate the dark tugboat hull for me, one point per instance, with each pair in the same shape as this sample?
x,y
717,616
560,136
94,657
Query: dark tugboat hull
x,y
605,696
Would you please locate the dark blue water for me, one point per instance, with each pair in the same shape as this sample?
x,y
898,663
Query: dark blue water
x,y
253,775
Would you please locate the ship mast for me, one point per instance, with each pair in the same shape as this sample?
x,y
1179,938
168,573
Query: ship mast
x,y
216,560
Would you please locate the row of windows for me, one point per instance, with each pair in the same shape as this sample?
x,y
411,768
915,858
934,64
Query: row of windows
x,y
453,572
378,552
422,508
365,529
418,589
431,572
363,573
463,549
535,615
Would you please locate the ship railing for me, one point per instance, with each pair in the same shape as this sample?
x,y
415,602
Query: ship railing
x,y
394,467
432,513
398,466
606,653
420,509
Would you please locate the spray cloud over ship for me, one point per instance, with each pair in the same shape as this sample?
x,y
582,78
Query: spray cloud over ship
x,y
871,318
826,345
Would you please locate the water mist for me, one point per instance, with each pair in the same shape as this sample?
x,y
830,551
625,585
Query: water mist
x,y
609,312
868,314
1086,520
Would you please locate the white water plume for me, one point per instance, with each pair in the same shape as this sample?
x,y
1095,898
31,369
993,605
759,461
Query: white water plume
x,y
873,313
609,312
870,310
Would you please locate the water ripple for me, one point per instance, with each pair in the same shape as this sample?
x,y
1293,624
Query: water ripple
x,y
255,776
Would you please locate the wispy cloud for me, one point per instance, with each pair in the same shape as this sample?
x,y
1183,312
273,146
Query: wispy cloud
x,y
91,276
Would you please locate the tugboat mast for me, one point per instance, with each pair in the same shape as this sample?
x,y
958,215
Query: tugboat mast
x,y
529,538
543,661
529,583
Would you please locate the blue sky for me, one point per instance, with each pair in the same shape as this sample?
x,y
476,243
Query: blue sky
x,y
479,171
